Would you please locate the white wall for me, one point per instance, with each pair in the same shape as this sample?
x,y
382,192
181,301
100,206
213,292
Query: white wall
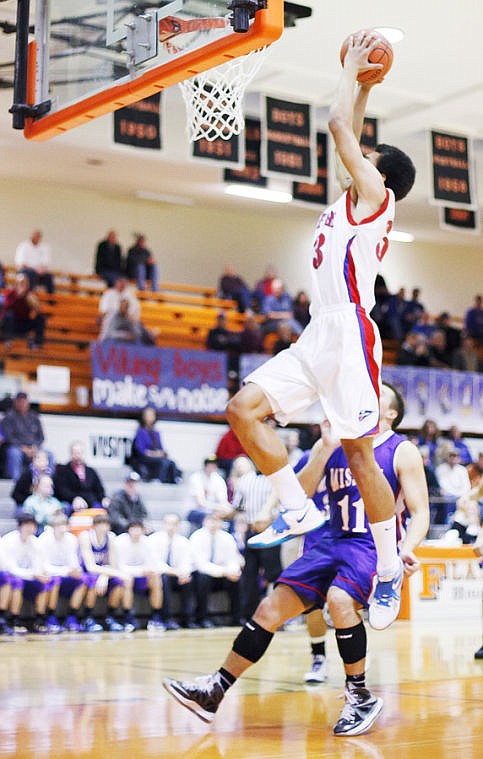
x,y
192,244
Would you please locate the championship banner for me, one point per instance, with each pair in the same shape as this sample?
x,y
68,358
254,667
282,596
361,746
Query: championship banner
x,y
226,152
459,220
251,174
139,124
129,377
452,171
369,139
288,140
315,193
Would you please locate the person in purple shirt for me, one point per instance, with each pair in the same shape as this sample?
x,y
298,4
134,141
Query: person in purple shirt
x,y
148,457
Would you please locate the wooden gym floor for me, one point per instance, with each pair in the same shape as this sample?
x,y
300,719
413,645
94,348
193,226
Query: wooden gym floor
x,y
100,696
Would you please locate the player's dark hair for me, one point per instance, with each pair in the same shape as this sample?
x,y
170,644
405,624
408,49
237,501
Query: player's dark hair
x,y
397,404
398,169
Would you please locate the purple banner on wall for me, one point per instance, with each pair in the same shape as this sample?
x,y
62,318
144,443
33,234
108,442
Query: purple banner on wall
x,y
128,377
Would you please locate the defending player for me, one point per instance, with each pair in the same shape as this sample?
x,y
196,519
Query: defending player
x,y
340,568
337,358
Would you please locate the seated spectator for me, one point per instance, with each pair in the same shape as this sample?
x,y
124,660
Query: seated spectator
x,y
218,565
23,433
30,477
413,351
395,309
475,471
126,505
227,450
424,326
453,335
453,479
264,285
456,437
241,465
278,307
42,504
111,298
439,356
284,338
431,436
413,311
434,489
220,338
473,321
141,265
21,314
173,559
60,553
466,519
136,562
99,558
208,493
294,450
108,264
232,287
466,358
148,457
24,562
32,258
301,308
77,484
250,339
123,328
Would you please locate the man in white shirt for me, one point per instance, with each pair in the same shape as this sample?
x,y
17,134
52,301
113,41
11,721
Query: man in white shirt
x,y
111,298
172,554
218,564
454,482
60,555
208,493
136,562
32,258
23,561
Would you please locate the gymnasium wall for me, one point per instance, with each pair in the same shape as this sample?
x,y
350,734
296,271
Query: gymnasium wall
x,y
192,243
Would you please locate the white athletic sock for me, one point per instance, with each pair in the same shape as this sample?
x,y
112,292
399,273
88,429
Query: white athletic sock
x,y
384,534
288,488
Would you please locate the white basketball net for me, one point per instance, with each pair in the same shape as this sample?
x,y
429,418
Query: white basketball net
x,y
214,98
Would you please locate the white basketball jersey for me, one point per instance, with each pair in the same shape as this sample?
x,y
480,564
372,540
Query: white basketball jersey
x,y
347,254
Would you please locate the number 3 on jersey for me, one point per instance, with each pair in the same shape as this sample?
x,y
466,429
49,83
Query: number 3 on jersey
x,y
318,255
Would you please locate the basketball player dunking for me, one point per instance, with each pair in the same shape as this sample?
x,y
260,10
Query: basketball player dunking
x,y
337,358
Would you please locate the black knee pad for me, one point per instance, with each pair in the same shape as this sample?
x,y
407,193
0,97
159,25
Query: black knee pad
x,y
252,641
352,643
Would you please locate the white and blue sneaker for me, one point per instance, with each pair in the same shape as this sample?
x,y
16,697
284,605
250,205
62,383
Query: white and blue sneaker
x,y
385,599
289,524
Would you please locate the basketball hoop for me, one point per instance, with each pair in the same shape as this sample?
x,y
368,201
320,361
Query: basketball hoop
x,y
214,98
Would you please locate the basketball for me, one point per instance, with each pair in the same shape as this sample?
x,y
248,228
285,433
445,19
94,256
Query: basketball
x,y
383,53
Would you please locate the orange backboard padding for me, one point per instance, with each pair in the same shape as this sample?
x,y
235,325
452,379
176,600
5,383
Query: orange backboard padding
x,y
266,28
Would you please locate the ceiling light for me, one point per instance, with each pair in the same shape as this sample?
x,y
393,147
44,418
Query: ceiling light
x,y
391,33
397,236
175,200
258,193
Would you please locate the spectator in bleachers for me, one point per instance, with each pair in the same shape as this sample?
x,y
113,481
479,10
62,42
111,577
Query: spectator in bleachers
x,y
413,311
121,327
453,335
227,450
21,314
430,435
301,308
218,565
220,338
251,336
24,436
395,310
127,505
208,493
434,489
108,263
241,465
141,264
453,479
380,311
172,554
77,484
439,356
30,476
264,285
466,519
424,325
23,561
232,287
32,258
456,437
136,561
111,298
466,358
413,351
99,558
42,504
475,471
278,307
284,338
60,554
473,320
148,457
292,445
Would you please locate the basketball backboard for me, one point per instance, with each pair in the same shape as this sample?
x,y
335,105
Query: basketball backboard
x,y
93,57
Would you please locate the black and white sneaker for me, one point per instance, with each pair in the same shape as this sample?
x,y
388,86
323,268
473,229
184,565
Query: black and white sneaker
x,y
360,711
318,671
202,697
